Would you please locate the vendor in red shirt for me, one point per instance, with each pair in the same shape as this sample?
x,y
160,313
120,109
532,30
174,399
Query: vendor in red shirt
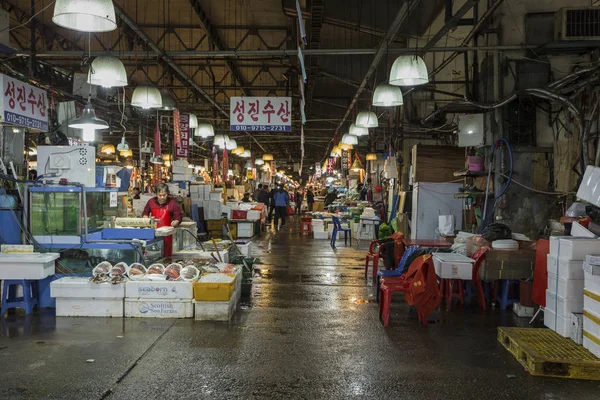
x,y
166,210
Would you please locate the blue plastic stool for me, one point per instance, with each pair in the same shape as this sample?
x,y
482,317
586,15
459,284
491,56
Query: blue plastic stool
x,y
10,299
504,289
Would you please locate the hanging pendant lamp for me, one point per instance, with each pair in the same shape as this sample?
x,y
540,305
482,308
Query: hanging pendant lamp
x,y
346,147
85,15
204,130
371,157
356,165
88,119
193,121
367,119
268,157
108,149
238,150
386,95
88,135
356,131
220,140
231,143
249,165
259,161
349,139
168,104
107,72
146,97
246,154
409,71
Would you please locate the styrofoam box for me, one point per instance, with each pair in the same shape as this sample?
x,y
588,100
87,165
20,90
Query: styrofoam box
x,y
592,282
318,228
577,248
217,196
89,307
568,269
579,230
320,235
27,265
591,301
565,288
591,323
453,266
563,306
558,324
159,308
253,215
81,287
217,310
246,248
591,269
159,290
591,343
577,328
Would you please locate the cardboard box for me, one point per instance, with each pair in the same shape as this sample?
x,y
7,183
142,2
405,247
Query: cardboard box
x,y
159,308
159,290
89,307
81,288
507,264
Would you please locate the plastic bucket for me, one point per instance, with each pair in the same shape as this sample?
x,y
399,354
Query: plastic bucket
x,y
525,293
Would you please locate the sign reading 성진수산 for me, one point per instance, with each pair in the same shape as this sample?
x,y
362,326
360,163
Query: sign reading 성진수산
x,y
270,114
22,104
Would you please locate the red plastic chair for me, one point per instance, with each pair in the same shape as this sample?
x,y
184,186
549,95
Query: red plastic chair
x,y
375,257
306,225
479,257
448,286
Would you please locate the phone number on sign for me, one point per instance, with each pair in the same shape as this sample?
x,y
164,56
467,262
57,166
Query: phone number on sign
x,y
21,120
263,128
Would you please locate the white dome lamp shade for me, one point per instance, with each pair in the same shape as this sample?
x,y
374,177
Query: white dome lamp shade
x,y
204,130
107,72
231,144
85,15
88,120
259,161
168,104
356,131
146,97
386,95
220,140
349,139
409,70
367,119
193,121
246,154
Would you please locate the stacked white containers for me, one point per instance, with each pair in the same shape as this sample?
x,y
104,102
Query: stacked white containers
x,y
159,299
564,295
591,305
210,201
181,172
318,228
78,297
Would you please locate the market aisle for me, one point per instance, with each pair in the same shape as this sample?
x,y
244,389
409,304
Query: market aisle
x,y
306,333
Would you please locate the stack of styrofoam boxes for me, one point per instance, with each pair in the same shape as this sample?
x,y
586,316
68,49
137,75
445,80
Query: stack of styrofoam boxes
x,y
159,299
181,172
220,310
78,297
318,228
564,294
591,304
199,193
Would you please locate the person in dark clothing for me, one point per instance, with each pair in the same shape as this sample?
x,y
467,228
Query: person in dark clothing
x,y
263,196
298,197
331,197
256,193
136,193
281,198
246,198
310,199
271,204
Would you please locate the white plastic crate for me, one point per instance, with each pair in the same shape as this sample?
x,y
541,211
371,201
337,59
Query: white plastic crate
x,y
82,288
159,308
27,265
89,307
159,290
563,306
321,235
558,324
563,268
565,288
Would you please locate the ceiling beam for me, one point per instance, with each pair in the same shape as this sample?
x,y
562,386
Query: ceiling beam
x,y
450,24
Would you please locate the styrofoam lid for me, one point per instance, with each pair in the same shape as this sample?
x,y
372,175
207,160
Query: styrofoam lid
x,y
27,258
505,244
453,257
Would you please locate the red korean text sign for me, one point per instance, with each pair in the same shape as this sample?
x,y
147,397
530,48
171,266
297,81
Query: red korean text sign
x,y
22,104
270,114
183,150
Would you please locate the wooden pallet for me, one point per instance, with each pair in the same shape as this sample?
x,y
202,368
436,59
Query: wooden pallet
x,y
543,352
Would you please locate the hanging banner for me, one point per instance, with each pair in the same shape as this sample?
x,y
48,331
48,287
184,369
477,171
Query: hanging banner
x,y
271,114
176,128
330,166
317,170
22,104
345,157
183,150
225,165
215,169
349,165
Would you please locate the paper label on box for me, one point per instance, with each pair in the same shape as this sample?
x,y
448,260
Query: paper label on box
x,y
113,199
158,308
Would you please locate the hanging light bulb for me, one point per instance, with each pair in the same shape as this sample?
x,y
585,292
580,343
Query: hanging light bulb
x,y
371,157
267,157
146,97
246,154
126,153
367,119
386,95
193,121
108,149
88,119
356,131
88,135
249,165
85,15
168,104
346,147
238,150
231,144
259,161
204,130
349,139
219,140
107,72
409,70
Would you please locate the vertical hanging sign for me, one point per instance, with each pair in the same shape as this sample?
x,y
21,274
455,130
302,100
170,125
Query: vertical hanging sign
x,y
317,170
330,166
225,165
183,150
176,128
345,160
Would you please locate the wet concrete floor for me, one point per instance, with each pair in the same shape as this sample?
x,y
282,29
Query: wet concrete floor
x,y
309,331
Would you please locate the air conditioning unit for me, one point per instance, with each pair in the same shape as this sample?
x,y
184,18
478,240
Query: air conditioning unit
x,y
581,23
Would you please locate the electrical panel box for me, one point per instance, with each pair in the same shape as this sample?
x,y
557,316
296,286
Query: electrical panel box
x,y
73,163
470,130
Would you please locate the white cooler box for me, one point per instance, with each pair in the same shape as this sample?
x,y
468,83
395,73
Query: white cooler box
x,y
27,265
245,229
159,290
591,301
453,266
320,235
558,323
591,323
90,307
80,287
159,308
565,288
592,343
568,269
218,310
563,306
574,248
245,248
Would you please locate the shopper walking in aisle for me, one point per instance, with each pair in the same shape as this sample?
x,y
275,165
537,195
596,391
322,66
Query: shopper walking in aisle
x,y
298,197
281,198
310,198
271,204
263,196
257,192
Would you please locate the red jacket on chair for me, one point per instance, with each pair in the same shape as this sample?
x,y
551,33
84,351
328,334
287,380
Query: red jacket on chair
x,y
423,292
